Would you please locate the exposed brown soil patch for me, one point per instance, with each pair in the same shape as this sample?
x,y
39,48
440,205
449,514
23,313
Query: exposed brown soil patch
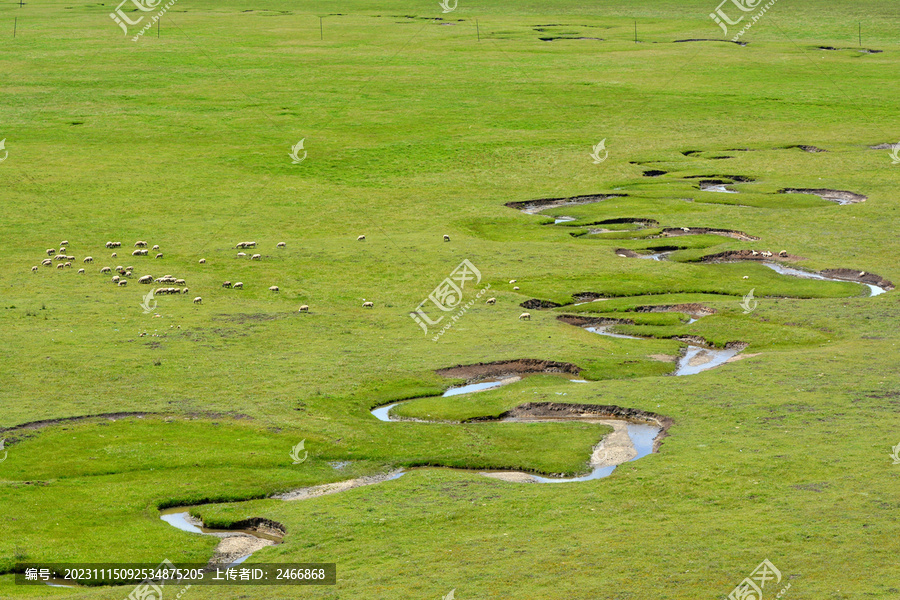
x,y
536,206
693,309
711,40
736,255
234,546
554,410
333,488
507,367
536,303
806,148
579,321
839,196
722,179
626,220
627,253
732,233
654,173
859,276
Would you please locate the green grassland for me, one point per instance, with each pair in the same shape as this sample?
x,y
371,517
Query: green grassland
x,y
416,128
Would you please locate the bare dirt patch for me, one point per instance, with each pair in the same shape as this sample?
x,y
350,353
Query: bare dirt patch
x,y
839,196
333,488
693,309
738,255
536,303
579,321
498,369
859,276
535,206
236,545
732,233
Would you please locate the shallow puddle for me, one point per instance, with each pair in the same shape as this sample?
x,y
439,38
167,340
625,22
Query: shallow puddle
x,y
179,517
697,359
559,220
716,187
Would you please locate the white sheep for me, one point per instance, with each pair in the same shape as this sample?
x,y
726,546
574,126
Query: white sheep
x,y
64,243
127,273
105,270
274,288
179,282
62,250
198,300
81,271
256,257
241,254
783,253
446,238
68,264
525,316
156,247
239,285
185,291
144,252
746,277
146,279
34,269
862,273
280,245
114,255
361,238
136,253
202,261
304,308
140,244
70,258
516,288
51,251
47,262
60,257
123,283
512,281
115,279
88,259
368,305
491,301
60,266
226,284
159,256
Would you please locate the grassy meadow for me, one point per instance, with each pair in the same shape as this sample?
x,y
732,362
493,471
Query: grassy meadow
x,y
419,124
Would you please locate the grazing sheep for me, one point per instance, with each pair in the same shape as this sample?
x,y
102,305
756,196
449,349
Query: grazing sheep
x,y
746,277
239,285
241,254
202,261
491,301
184,291
114,255
146,279
136,253
767,254
123,283
179,282
140,244
783,253
159,256
113,244
368,305
274,288
525,317
70,258
51,251
105,270
226,284
47,262
280,245
68,264
59,257
516,288
80,271
198,300
685,229
64,243
129,268
115,279
34,269
304,308
754,253
862,273
120,269
361,238
511,281
256,257
62,250
144,252
60,266
446,238
156,247
88,259
159,291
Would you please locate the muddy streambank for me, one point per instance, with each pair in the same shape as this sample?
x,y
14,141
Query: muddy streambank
x,y
679,231
237,542
839,196
876,284
533,207
507,368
